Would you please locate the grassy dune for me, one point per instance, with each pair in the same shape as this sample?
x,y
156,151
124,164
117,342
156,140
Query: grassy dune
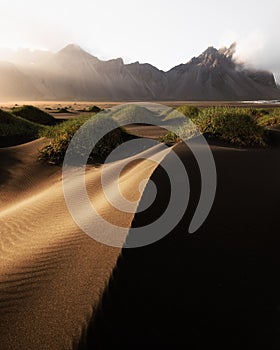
x,y
15,130
241,127
62,134
34,115
133,113
238,126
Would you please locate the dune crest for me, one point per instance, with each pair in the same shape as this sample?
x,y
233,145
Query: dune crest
x,y
51,273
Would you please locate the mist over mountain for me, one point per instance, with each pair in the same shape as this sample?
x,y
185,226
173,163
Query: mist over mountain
x,y
14,84
74,74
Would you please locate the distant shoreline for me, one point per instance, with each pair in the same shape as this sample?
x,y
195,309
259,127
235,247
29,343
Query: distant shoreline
x,y
109,104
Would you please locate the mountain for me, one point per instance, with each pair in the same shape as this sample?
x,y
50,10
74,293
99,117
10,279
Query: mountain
x,y
16,85
214,75
74,74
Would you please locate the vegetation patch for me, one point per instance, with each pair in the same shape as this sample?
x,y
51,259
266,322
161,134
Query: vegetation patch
x,y
181,112
234,126
34,115
15,130
231,126
133,114
270,119
11,125
93,109
183,131
62,134
62,110
170,138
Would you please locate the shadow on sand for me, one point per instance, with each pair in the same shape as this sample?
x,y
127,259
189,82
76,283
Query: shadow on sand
x,y
219,287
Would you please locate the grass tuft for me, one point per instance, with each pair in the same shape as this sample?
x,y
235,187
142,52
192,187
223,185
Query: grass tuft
x,y
181,112
234,126
11,125
230,126
62,134
270,119
131,114
94,109
34,114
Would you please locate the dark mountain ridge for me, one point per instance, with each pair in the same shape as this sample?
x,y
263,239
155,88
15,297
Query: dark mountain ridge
x,y
74,74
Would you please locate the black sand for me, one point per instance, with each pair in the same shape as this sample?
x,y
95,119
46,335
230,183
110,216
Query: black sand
x,y
219,287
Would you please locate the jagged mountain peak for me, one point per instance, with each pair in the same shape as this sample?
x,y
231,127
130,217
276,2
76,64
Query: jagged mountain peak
x,y
213,57
115,61
71,48
211,50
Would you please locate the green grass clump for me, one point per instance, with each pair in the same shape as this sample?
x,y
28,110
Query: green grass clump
x,y
236,126
62,134
94,109
63,110
69,126
170,138
188,111
182,131
181,112
131,114
270,119
34,115
258,112
11,125
230,125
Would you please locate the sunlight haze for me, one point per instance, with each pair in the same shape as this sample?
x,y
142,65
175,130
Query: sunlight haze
x,y
163,33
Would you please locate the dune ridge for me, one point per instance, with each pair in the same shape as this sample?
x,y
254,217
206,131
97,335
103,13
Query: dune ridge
x,y
51,274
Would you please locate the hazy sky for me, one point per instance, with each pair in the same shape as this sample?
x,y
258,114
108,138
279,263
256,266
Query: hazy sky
x,y
161,32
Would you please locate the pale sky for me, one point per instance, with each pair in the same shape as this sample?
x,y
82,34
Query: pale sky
x,y
161,32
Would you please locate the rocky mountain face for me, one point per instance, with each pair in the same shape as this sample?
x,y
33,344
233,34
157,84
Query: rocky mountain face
x,y
74,74
214,75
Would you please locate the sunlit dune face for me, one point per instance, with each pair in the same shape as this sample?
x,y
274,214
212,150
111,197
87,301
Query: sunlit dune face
x,y
130,186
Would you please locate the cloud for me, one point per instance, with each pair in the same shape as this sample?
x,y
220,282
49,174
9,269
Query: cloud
x,y
257,49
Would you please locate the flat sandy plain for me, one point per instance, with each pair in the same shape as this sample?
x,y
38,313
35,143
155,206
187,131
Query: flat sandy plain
x,y
60,289
107,104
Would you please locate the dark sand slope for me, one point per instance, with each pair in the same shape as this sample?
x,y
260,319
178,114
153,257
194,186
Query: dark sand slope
x,y
219,287
51,273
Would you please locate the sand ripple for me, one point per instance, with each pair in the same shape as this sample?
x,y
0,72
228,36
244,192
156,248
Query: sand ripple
x,y
51,273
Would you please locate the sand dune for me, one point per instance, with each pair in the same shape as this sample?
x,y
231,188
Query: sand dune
x,y
218,288
51,273
218,284
22,174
